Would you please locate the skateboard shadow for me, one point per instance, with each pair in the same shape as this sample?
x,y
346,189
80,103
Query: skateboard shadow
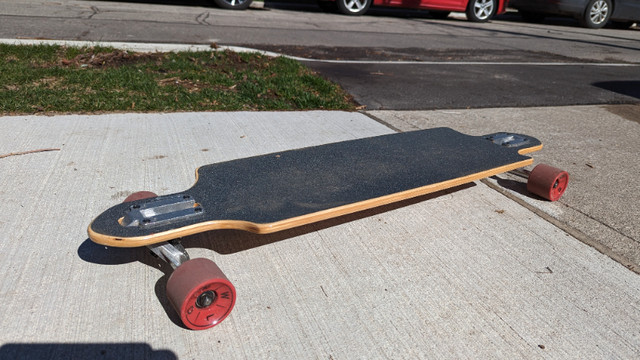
x,y
226,242
105,255
516,186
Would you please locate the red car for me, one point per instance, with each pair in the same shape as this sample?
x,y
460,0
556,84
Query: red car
x,y
476,10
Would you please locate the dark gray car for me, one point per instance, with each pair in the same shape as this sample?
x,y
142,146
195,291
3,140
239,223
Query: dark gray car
x,y
591,13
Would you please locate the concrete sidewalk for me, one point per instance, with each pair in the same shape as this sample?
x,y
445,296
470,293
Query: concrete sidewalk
x,y
469,273
597,145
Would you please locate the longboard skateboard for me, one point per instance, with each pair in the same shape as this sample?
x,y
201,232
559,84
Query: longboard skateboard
x,y
274,192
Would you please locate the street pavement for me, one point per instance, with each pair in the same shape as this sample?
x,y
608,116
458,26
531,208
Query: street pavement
x,y
481,271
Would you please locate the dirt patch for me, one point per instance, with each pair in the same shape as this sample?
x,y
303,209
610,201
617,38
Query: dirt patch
x,y
189,85
193,86
111,59
47,83
228,61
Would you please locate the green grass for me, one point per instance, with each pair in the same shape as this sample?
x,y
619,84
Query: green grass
x,y
55,79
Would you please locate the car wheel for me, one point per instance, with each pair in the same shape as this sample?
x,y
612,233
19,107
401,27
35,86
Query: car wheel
x,y
481,10
597,14
353,7
233,4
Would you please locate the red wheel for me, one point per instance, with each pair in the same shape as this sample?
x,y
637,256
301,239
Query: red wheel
x,y
140,195
200,293
548,182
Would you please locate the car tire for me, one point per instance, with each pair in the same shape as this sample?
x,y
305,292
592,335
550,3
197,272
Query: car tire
x,y
353,7
233,4
481,10
596,14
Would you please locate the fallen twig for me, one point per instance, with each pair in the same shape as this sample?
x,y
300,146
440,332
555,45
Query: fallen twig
x,y
27,152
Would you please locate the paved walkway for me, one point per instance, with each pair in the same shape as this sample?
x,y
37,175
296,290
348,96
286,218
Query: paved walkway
x,y
469,273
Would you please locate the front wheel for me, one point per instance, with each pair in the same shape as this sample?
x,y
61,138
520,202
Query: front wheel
x,y
481,10
200,293
353,7
233,4
597,14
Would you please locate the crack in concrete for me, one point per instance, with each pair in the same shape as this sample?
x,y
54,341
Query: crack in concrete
x,y
576,233
94,11
202,18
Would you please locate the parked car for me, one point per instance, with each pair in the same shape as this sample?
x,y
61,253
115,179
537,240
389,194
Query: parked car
x,y
476,10
590,13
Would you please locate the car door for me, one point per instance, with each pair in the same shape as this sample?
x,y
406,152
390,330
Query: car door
x,y
627,9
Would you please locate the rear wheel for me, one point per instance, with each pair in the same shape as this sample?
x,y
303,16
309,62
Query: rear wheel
x,y
140,195
597,14
548,182
481,10
353,7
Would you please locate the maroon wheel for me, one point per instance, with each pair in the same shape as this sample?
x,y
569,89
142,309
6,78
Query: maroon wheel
x,y
200,293
140,195
548,182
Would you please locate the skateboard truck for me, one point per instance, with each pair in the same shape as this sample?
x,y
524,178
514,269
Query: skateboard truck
x,y
545,181
197,288
172,252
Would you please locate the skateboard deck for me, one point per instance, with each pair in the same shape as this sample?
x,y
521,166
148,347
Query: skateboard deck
x,y
278,191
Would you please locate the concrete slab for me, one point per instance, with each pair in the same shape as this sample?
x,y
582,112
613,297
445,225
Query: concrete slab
x,y
597,145
463,274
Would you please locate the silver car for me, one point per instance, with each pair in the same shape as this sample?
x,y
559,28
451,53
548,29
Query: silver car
x,y
590,13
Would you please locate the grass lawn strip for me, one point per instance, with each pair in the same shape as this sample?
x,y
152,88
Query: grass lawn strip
x,y
59,79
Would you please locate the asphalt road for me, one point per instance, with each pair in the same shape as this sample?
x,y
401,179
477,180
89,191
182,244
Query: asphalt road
x,y
443,63
445,86
416,79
